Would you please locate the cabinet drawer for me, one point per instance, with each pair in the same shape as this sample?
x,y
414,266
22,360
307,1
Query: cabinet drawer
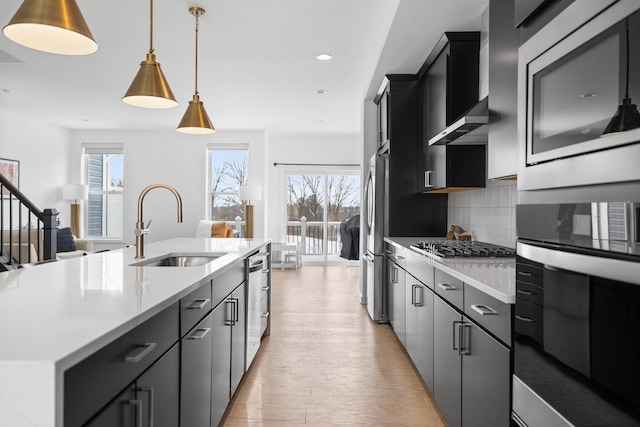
x,y
91,383
528,320
418,267
449,288
529,292
194,307
528,271
226,282
493,315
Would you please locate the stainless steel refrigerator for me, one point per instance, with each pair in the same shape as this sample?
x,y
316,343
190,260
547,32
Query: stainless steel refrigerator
x,y
373,251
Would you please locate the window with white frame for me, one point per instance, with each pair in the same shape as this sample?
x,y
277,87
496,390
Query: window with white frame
x,y
104,166
228,169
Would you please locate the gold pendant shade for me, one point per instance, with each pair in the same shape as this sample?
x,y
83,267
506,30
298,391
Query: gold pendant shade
x,y
53,26
149,88
196,120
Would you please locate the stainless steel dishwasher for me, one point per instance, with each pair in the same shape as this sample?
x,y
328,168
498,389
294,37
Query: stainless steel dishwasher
x,y
257,272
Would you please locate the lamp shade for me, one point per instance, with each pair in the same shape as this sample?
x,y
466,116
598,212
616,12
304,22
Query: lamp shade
x,y
150,88
250,192
51,26
195,119
75,192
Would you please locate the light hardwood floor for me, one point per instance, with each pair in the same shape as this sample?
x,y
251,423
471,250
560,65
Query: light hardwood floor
x,y
326,363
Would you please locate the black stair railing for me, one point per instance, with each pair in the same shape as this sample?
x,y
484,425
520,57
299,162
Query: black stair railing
x,y
23,226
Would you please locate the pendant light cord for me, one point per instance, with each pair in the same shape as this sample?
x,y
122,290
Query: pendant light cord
x,y
197,25
626,24
150,26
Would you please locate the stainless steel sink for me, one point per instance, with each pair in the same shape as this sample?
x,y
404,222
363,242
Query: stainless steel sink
x,y
178,260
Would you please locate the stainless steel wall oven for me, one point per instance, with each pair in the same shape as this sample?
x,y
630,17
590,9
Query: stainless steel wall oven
x,y
577,315
572,76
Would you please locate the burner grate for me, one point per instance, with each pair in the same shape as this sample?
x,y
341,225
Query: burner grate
x,y
464,249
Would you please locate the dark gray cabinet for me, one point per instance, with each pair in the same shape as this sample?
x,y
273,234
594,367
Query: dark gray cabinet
x,y
486,380
419,327
396,277
383,116
153,399
472,369
228,329
456,168
447,362
195,381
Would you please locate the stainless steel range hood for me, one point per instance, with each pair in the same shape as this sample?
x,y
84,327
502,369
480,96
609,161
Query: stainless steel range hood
x,y
469,129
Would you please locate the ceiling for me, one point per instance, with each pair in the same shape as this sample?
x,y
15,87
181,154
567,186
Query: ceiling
x,y
257,68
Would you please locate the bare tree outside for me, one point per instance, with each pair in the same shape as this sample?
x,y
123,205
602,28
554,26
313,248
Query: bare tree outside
x,y
307,196
228,172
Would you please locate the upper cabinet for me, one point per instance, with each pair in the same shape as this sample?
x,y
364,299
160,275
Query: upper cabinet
x,y
449,85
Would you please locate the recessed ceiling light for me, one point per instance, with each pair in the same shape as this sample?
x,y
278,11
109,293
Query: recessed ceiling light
x,y
324,56
320,121
588,95
320,91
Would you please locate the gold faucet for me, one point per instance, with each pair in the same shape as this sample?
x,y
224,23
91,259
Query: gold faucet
x,y
141,230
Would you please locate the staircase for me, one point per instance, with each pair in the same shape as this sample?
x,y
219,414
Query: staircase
x,y
27,234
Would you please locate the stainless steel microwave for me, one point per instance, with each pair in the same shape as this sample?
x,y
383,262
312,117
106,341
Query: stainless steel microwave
x,y
572,76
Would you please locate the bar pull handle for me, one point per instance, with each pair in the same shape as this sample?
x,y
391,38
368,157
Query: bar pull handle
x,y
137,405
265,271
149,391
524,319
465,339
265,288
525,292
446,287
199,334
394,275
417,296
525,273
198,304
140,353
456,327
428,179
484,310
265,314
398,257
229,312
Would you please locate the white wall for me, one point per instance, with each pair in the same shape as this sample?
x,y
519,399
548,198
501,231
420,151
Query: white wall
x,y
171,158
336,149
43,152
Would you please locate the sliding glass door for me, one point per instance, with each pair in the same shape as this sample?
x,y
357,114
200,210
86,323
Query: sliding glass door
x,y
316,204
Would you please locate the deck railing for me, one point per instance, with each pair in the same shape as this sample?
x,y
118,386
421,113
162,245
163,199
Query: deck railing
x,y
21,225
310,235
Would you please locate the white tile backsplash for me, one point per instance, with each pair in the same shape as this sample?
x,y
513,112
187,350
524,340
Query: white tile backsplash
x,y
488,214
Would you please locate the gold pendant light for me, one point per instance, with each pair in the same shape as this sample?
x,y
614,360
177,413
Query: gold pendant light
x,y
195,119
149,88
53,26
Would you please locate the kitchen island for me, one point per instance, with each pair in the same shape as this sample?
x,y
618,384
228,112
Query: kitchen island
x,y
56,315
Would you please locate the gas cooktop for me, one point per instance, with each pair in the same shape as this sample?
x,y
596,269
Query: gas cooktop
x,y
461,249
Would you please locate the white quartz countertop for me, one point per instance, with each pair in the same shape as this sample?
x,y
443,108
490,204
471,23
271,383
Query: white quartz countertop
x,y
54,315
494,276
62,311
